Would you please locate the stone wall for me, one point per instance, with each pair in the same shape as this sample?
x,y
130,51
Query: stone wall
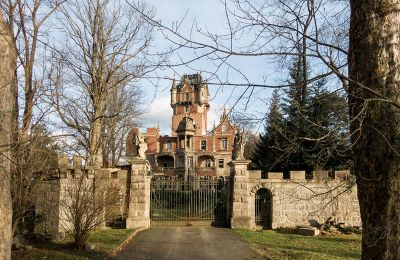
x,y
295,201
139,198
52,194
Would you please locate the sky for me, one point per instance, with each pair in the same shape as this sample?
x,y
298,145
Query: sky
x,y
209,15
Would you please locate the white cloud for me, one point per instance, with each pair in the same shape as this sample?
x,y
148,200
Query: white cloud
x,y
159,111
214,114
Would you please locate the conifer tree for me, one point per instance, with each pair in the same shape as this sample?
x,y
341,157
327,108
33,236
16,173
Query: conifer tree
x,y
296,126
309,131
329,136
268,153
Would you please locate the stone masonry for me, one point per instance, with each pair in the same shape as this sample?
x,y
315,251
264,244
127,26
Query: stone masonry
x,y
295,201
53,192
139,203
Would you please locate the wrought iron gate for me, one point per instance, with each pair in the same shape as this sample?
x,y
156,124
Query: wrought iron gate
x,y
188,201
263,201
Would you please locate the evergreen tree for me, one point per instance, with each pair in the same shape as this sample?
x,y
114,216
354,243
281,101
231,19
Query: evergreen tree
x,y
296,126
308,132
267,154
329,136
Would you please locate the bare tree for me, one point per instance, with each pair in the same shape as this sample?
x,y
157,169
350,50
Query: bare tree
x,y
105,51
318,32
26,19
124,104
37,162
27,22
84,207
7,81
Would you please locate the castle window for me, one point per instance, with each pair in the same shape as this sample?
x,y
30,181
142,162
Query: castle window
x,y
223,128
189,162
221,163
187,96
169,146
224,144
207,163
186,109
203,145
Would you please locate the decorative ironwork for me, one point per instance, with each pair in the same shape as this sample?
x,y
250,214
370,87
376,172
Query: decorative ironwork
x,y
193,200
263,201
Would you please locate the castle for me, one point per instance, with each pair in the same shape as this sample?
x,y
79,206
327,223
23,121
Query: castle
x,y
190,150
236,197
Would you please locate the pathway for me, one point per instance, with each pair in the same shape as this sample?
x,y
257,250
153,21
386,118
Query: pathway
x,y
188,243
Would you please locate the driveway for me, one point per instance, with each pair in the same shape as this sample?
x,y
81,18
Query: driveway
x,y
188,243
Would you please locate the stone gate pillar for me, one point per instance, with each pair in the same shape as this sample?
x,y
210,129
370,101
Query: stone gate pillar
x,y
240,208
139,197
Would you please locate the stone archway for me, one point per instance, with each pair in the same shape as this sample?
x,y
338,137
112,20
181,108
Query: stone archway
x,y
165,161
263,208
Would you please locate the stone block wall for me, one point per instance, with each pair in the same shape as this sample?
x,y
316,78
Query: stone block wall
x,y
52,194
295,201
47,207
139,198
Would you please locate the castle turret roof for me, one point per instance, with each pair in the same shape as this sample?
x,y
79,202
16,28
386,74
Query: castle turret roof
x,y
186,125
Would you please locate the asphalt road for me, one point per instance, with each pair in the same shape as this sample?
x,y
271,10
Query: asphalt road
x,y
188,243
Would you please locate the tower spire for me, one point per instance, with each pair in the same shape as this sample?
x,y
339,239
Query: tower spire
x,y
224,116
174,83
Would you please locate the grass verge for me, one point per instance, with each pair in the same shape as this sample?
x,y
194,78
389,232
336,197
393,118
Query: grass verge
x,y
104,241
285,245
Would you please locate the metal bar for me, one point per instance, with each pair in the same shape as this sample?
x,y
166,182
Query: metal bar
x,y
194,200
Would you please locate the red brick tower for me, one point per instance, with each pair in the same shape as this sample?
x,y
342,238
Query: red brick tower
x,y
189,98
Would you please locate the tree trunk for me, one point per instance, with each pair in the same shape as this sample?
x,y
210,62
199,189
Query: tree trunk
x,y
374,60
96,144
7,79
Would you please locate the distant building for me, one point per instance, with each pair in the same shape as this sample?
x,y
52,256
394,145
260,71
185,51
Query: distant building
x,y
190,149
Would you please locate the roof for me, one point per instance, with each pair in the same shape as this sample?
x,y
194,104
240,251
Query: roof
x,y
186,124
194,80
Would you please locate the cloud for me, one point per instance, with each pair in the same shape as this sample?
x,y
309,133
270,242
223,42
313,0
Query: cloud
x,y
159,111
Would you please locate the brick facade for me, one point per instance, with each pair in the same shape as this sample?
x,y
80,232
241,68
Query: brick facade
x,y
190,149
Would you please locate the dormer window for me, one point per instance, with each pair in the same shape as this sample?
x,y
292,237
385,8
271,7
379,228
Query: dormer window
x,y
187,96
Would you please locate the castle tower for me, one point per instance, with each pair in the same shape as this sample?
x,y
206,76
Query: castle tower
x,y
189,98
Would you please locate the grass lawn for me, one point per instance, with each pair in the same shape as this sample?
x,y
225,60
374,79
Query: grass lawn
x,y
278,245
103,240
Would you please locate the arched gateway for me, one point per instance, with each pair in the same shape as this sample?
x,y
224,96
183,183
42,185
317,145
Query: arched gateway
x,y
263,208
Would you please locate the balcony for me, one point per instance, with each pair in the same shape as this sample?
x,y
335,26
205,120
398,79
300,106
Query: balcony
x,y
166,152
164,170
198,171
205,171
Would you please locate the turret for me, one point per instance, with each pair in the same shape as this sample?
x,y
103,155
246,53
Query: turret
x,y
203,95
224,117
190,96
173,93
